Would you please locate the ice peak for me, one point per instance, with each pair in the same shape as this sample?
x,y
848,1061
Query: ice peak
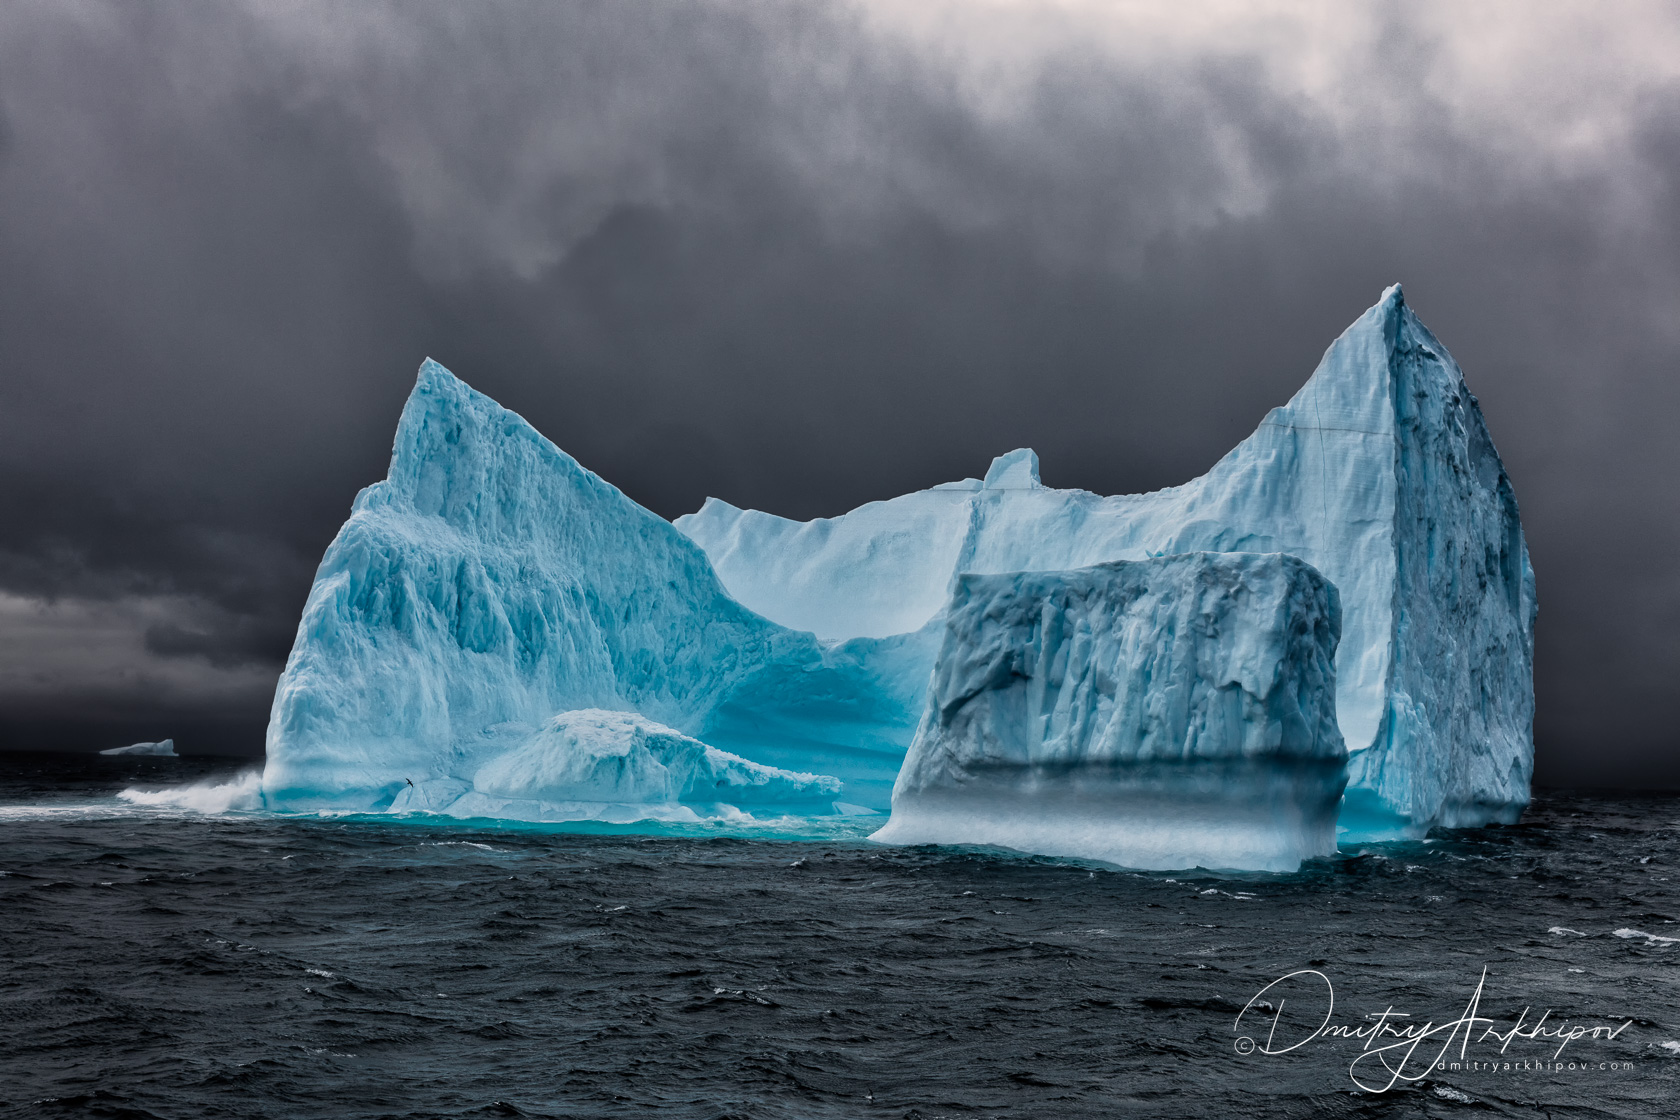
x,y
438,392
435,378
1017,470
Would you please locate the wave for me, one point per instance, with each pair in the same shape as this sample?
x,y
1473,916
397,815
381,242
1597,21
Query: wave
x,y
244,793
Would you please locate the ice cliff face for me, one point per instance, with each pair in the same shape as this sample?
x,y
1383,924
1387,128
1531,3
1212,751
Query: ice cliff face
x,y
1379,473
491,583
1160,713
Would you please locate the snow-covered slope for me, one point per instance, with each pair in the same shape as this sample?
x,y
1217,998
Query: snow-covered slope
x,y
1166,713
1379,473
491,583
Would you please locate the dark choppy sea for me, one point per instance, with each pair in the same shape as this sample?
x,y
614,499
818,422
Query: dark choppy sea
x,y
158,962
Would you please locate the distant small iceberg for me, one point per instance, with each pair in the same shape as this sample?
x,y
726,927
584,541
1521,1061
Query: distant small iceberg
x,y
165,749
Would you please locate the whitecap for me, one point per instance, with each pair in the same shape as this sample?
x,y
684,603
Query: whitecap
x,y
55,812
244,792
1650,938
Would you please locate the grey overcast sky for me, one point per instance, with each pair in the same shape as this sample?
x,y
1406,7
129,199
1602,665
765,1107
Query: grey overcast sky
x,y
800,255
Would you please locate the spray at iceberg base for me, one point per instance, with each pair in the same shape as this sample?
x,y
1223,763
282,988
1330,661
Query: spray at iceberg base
x,y
1154,680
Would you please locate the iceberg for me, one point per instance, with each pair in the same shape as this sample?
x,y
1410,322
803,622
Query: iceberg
x,y
1379,473
496,630
165,749
491,584
1164,713
618,766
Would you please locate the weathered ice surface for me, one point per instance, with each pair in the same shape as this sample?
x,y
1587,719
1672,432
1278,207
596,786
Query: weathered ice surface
x,y
618,766
1379,473
165,749
491,583
1166,713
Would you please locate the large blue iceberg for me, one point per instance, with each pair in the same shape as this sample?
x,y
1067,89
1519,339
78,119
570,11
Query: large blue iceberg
x,y
1379,473
491,604
1151,713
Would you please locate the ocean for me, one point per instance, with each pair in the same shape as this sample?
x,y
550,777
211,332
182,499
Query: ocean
x,y
161,961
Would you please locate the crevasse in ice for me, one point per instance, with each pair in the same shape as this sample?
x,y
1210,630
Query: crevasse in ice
x,y
1160,713
1379,472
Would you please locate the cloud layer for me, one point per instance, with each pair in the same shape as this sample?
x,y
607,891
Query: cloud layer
x,y
801,256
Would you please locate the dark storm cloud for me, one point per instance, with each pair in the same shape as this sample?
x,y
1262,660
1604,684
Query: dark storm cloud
x,y
784,254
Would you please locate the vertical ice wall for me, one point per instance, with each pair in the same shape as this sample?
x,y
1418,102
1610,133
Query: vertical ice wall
x,y
1166,713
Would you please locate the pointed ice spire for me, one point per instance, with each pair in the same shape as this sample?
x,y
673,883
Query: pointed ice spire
x,y
1017,470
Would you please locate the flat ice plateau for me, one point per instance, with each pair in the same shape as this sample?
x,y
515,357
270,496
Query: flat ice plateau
x,y
489,607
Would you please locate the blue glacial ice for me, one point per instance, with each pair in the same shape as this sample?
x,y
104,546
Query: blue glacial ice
x,y
164,749
1379,473
490,584
491,593
1161,713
